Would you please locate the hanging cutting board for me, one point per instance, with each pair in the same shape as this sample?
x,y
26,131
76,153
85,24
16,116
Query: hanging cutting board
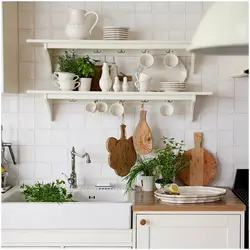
x,y
142,136
202,169
122,155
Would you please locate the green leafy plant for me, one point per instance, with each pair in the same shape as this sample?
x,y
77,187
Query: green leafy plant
x,y
86,67
144,166
171,160
49,192
68,62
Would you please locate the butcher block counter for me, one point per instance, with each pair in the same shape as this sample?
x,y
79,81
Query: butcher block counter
x,y
145,201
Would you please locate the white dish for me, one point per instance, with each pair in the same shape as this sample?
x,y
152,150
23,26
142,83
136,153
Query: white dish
x,y
191,200
193,192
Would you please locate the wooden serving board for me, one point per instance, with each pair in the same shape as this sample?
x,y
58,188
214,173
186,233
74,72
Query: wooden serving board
x,y
122,155
202,169
142,136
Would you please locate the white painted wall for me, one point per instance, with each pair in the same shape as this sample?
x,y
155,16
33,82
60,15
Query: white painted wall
x,y
42,147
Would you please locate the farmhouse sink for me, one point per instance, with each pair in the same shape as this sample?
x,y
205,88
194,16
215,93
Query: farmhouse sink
x,y
93,209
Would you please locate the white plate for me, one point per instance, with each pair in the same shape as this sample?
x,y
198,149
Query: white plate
x,y
193,192
160,73
174,197
190,201
115,27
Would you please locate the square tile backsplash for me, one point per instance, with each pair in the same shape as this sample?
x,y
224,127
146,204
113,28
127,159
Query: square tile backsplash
x,y
42,147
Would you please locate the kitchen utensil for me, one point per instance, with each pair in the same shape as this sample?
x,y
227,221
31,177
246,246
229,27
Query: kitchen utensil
x,y
202,169
146,60
125,85
143,82
63,76
173,86
160,73
78,25
167,109
102,107
67,85
115,33
91,107
116,109
142,136
105,80
171,60
117,85
122,155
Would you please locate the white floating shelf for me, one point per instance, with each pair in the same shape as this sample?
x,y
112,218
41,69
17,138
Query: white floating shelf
x,y
240,76
50,95
109,44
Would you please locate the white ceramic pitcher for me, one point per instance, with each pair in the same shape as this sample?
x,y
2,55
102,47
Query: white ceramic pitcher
x,y
77,27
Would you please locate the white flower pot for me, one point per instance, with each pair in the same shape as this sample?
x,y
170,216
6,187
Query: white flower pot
x,y
148,183
85,84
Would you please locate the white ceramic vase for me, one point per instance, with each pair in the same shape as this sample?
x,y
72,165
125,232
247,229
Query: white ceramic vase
x,y
105,81
113,72
117,85
125,85
148,183
78,26
85,84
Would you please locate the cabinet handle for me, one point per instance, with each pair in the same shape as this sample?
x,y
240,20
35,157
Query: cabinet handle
x,y
143,222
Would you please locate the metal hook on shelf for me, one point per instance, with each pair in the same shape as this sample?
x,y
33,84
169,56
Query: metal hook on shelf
x,y
168,51
169,101
97,51
144,51
144,101
72,100
121,51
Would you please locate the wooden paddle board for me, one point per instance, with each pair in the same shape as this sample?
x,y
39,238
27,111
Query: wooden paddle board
x,y
202,169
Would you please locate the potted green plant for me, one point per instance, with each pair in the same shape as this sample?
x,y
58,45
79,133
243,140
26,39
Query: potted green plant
x,y
170,161
146,167
86,69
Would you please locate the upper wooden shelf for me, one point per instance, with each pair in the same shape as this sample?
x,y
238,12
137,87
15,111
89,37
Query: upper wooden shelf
x,y
110,44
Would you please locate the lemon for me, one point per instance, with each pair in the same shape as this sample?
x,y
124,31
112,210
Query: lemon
x,y
174,188
3,169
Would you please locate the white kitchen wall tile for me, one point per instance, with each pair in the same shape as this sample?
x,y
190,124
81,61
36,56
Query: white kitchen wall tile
x,y
241,105
226,105
143,7
26,121
26,171
25,6
25,154
241,121
43,171
226,155
194,7
59,137
241,88
225,121
159,35
76,121
160,7
126,6
177,7
42,121
241,137
208,121
158,21
25,84
176,21
42,71
241,154
57,169
177,35
42,20
59,20
26,137
25,34
192,20
26,71
42,137
241,166
109,6
10,121
26,104
26,53
76,5
42,6
206,5
89,171
189,34
10,135
40,105
42,34
108,172
26,20
9,104
226,88
93,120
94,6
58,6
60,121
209,141
225,138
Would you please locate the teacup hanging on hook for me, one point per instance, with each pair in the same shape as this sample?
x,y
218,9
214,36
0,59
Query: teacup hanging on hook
x,y
167,109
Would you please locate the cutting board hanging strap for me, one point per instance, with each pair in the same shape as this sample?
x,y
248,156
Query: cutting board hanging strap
x,y
123,131
197,139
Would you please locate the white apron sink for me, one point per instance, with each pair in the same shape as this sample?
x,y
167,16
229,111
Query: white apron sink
x,y
93,209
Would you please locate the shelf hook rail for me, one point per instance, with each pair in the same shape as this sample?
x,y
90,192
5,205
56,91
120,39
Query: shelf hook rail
x,y
121,51
97,51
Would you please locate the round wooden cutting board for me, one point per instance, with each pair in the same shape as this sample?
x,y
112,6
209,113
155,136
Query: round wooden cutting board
x,y
203,166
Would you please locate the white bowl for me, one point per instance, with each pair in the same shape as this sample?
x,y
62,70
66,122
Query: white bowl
x,y
116,109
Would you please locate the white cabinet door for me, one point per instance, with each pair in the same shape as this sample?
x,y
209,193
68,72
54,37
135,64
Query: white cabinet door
x,y
188,231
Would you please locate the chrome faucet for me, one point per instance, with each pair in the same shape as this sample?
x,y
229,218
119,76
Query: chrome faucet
x,y
72,180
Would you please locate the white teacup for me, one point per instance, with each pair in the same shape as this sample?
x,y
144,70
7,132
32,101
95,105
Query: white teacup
x,y
102,107
63,76
171,60
116,109
167,109
146,60
67,85
91,107
142,86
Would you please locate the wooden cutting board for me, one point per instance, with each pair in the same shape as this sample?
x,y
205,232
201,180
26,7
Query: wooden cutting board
x,y
202,169
122,155
142,136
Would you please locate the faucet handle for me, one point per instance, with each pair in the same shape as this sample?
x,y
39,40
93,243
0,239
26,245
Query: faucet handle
x,y
65,175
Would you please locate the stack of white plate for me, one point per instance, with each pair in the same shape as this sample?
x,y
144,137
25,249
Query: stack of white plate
x,y
173,86
192,194
115,33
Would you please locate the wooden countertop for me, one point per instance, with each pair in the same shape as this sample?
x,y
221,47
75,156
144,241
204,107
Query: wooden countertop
x,y
145,201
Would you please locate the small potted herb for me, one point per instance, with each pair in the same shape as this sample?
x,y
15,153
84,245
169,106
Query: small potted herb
x,y
170,161
86,69
146,167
